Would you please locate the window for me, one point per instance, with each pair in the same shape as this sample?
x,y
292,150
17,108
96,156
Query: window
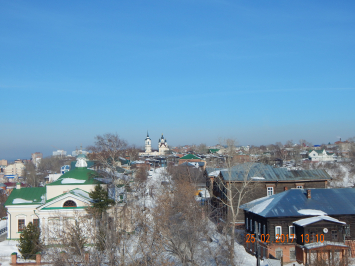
x,y
335,235
251,225
255,226
270,191
259,229
347,230
278,254
299,187
21,225
264,229
278,231
69,203
36,222
291,231
247,224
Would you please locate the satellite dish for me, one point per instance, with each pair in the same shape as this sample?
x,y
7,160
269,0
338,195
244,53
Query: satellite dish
x,y
325,230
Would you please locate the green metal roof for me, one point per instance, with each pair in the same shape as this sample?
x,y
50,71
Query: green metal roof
x,y
190,157
26,196
78,176
213,150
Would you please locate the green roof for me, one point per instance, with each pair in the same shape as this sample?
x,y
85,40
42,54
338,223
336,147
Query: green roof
x,y
213,150
77,176
26,196
190,157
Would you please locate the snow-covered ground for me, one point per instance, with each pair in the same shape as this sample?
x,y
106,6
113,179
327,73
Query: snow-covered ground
x,y
7,247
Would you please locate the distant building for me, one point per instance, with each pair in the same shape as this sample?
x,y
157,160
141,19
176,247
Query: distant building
x,y
59,153
3,163
322,156
162,146
16,168
36,158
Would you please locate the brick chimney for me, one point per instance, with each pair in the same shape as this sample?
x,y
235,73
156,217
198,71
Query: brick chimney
x,y
309,194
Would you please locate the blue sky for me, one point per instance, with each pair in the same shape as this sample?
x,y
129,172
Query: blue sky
x,y
195,70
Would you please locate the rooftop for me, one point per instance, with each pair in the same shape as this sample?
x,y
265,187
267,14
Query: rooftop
x,y
294,202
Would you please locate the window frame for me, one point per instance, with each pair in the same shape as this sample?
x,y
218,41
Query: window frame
x,y
23,225
276,227
35,222
268,189
289,232
70,206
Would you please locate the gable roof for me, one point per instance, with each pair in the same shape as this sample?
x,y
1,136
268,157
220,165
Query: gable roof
x,y
76,193
294,202
77,176
190,157
269,173
26,196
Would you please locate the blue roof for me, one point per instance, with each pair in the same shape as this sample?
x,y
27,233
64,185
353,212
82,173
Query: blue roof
x,y
245,171
335,201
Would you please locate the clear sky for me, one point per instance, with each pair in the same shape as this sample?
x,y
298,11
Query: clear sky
x,y
195,70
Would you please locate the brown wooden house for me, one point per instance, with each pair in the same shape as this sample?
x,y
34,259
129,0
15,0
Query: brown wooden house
x,y
264,180
308,226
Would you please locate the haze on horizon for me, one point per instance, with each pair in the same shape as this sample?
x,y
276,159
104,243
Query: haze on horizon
x,y
197,71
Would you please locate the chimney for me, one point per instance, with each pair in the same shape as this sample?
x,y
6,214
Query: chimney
x,y
309,194
18,185
286,188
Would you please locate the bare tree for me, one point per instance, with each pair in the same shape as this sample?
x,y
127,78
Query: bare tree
x,y
107,151
231,194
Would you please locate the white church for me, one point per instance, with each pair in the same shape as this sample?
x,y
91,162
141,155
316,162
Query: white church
x,y
162,146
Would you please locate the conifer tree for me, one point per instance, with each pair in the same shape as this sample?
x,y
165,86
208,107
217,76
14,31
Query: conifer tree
x,y
101,200
30,241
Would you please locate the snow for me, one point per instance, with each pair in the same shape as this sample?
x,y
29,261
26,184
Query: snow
x,y
7,247
258,177
311,220
258,208
72,181
19,201
214,173
3,224
311,212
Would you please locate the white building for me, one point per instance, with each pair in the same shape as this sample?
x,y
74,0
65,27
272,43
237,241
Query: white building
x,y
163,147
59,153
322,156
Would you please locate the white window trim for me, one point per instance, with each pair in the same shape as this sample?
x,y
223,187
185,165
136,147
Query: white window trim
x,y
276,231
289,231
271,189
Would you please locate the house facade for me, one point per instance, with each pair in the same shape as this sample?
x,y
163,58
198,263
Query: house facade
x,y
303,225
46,206
260,180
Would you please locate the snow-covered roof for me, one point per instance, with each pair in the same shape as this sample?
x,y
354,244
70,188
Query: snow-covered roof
x,y
312,220
311,212
294,202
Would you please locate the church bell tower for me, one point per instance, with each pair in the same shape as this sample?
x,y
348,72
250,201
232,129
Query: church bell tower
x,y
148,143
